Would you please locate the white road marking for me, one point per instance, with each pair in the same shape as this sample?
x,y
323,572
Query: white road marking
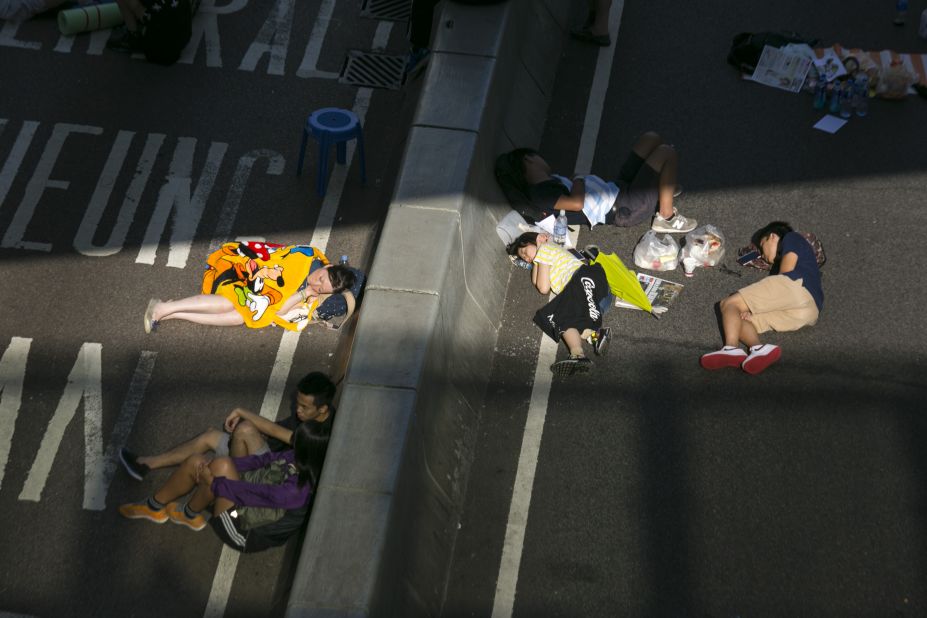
x,y
12,375
83,240
513,545
15,158
8,37
309,65
275,167
40,181
96,485
273,39
84,386
228,560
177,197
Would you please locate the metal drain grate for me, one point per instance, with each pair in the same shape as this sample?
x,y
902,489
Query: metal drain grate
x,y
396,10
373,70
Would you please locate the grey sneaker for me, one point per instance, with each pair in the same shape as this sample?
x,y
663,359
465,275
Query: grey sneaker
x,y
677,224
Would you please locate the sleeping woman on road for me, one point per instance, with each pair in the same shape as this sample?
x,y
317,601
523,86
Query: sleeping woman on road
x,y
258,284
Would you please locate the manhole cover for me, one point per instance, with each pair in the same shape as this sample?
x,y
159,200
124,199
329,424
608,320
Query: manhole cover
x,y
373,70
398,10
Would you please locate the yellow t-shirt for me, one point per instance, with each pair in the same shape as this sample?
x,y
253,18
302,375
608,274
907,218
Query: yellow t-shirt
x,y
562,264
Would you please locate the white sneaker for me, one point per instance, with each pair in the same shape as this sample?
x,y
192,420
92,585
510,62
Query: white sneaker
x,y
761,357
677,224
728,356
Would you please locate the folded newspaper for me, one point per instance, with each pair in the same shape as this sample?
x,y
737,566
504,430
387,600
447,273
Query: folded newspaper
x,y
660,292
780,69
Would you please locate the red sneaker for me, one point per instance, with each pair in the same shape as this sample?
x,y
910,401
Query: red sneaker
x,y
761,357
728,356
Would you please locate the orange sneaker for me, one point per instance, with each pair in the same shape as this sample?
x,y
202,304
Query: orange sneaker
x,y
176,514
141,510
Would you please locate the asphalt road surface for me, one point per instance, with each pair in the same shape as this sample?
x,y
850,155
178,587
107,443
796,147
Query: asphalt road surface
x,y
116,179
661,489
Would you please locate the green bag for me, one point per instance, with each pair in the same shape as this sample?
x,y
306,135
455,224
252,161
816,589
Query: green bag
x,y
274,473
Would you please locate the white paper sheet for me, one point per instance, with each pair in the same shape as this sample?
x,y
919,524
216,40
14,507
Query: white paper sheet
x,y
830,124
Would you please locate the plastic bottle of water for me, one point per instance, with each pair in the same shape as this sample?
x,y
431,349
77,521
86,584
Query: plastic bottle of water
x,y
861,95
835,95
343,261
560,229
846,98
901,12
820,94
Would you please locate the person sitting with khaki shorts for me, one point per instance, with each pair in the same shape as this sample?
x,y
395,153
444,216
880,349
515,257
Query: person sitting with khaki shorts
x,y
789,298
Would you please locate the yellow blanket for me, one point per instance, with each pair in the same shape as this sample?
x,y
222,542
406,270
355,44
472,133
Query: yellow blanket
x,y
258,277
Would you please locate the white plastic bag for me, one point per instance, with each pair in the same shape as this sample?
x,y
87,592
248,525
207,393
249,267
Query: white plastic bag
x,y
511,226
655,253
705,244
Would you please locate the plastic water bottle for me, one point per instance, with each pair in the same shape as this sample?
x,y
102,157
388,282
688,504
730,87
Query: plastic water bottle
x,y
846,98
343,261
901,12
560,229
820,94
835,98
861,95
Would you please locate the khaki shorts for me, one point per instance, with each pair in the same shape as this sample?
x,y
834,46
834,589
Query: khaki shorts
x,y
780,304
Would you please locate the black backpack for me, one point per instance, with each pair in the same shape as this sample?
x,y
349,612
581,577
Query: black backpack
x,y
277,532
747,47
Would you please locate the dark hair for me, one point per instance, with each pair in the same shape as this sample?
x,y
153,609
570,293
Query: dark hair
x,y
310,441
320,386
779,228
342,278
528,238
510,174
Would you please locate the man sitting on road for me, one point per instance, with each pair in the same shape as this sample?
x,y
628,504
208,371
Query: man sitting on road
x,y
248,434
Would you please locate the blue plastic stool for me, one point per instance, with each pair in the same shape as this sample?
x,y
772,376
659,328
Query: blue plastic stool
x,y
331,125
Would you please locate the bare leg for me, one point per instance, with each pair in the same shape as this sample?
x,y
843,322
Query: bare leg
x,y
181,482
229,318
573,341
736,329
665,162
201,444
246,440
202,303
646,144
203,496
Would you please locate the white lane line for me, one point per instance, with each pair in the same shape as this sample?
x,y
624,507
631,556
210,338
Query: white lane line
x,y
228,560
308,67
510,564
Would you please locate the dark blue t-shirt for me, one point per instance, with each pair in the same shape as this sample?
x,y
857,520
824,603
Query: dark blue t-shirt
x,y
806,268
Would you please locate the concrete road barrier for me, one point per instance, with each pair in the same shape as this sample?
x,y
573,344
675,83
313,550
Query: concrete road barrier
x,y
385,519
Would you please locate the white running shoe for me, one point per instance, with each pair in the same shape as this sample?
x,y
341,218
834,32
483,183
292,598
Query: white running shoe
x,y
677,224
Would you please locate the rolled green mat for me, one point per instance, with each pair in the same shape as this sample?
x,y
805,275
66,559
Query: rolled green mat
x,y
87,18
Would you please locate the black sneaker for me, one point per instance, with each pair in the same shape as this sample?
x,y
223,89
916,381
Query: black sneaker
x,y
591,252
129,461
600,341
571,366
